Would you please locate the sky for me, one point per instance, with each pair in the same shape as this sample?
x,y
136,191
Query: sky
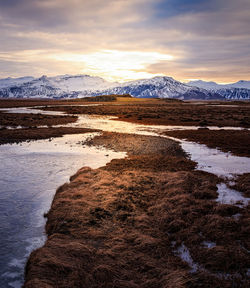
x,y
123,40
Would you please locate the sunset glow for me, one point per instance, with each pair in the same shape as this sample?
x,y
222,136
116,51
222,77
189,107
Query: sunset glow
x,y
115,65
125,40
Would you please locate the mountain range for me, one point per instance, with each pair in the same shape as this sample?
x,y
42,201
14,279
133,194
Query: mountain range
x,y
78,86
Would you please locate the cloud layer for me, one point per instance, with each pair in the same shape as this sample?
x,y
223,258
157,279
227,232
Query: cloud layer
x,y
126,39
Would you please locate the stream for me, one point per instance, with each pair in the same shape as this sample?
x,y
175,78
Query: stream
x,y
30,174
32,171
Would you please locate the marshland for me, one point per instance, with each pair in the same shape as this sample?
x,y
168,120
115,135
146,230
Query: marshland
x,y
125,192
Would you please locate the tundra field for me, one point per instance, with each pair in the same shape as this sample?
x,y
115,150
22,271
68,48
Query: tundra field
x,y
148,220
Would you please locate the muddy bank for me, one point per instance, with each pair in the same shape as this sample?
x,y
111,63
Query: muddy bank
x,y
25,127
20,135
31,120
170,113
129,223
236,142
136,145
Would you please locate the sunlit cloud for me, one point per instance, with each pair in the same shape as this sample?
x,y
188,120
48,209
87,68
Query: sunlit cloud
x,y
23,56
126,39
116,65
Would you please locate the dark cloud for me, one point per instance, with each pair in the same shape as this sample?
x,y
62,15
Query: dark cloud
x,y
33,14
171,8
206,37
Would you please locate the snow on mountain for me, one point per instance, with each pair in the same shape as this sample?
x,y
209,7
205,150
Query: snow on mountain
x,y
238,90
162,87
205,85
64,86
7,82
215,86
80,83
241,84
77,86
235,93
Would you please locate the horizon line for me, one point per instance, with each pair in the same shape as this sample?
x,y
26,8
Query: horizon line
x,y
145,78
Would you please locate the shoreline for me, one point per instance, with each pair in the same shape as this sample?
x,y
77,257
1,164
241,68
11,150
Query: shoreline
x,y
123,225
167,113
228,141
150,219
15,136
155,112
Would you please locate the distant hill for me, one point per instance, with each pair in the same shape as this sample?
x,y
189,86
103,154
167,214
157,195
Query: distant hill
x,y
79,86
239,90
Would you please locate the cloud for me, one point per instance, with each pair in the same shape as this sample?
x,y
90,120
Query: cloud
x,y
71,16
206,37
128,65
171,8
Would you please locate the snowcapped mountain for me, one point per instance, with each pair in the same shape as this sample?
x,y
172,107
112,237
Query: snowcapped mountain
x,y
241,84
78,86
64,86
162,87
215,86
70,83
7,82
205,85
234,93
239,90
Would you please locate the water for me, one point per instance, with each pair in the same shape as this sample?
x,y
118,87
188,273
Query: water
x,y
231,196
211,160
30,174
30,110
214,161
109,123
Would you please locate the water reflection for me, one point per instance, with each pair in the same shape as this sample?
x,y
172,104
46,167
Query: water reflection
x,y
30,174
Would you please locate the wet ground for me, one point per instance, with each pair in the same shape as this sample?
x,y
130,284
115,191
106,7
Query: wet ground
x,y
170,113
233,141
30,174
155,209
149,220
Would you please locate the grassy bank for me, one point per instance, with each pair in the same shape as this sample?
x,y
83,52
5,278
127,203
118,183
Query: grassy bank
x,y
128,223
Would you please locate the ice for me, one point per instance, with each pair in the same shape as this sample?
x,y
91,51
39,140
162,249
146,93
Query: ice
x,y
37,168
208,244
230,196
183,252
30,174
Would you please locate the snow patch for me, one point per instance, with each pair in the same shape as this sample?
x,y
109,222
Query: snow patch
x,y
183,252
230,196
208,244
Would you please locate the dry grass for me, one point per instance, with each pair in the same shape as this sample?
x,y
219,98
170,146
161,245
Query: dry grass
x,y
243,184
160,112
115,226
236,142
31,120
20,135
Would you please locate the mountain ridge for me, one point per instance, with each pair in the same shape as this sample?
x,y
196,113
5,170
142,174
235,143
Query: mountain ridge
x,y
82,85
244,84
239,90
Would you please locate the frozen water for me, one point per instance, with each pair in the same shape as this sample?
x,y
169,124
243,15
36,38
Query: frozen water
x,y
30,174
183,252
230,196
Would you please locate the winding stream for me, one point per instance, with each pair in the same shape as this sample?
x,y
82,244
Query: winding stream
x,y
31,172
